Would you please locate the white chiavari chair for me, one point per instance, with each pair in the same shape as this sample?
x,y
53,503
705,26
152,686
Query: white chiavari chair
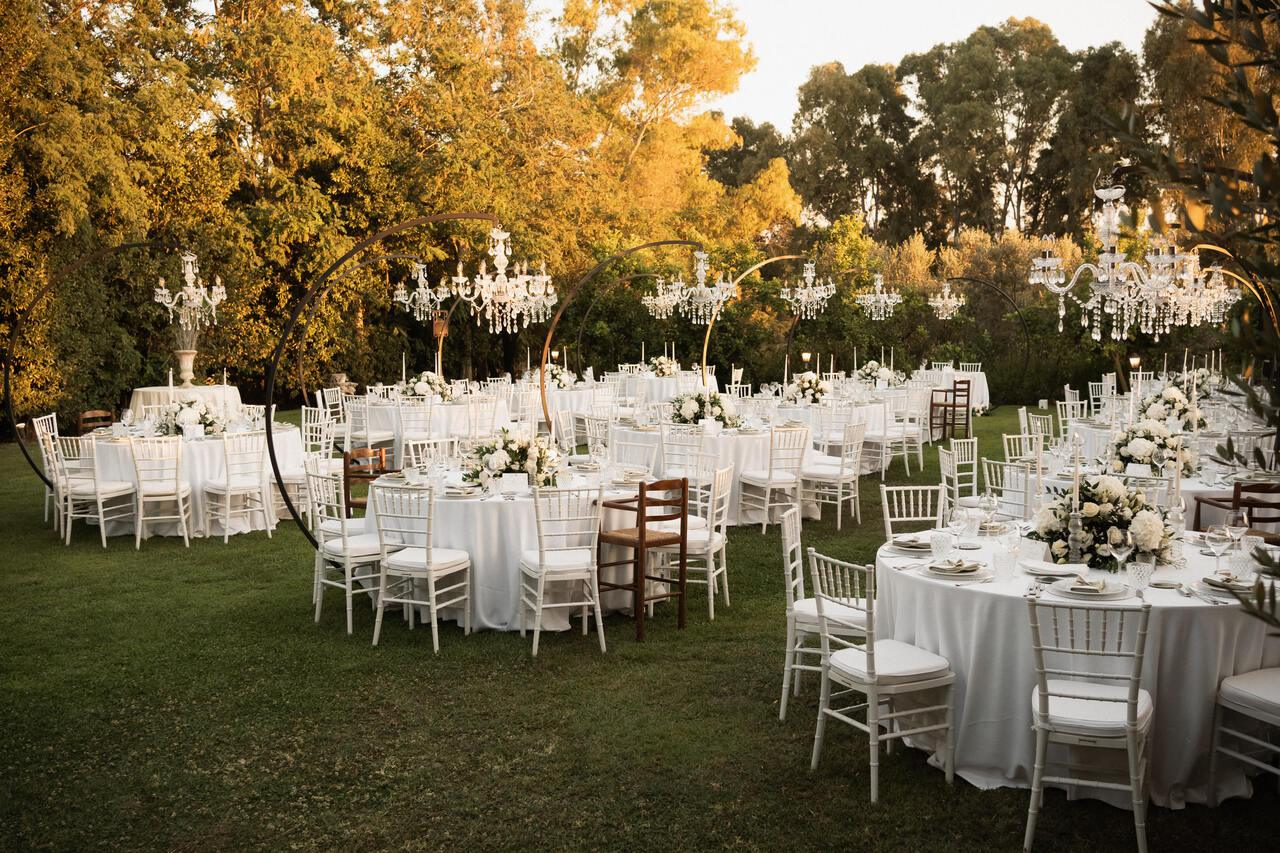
x,y
347,558
526,411
1041,425
318,432
1069,411
597,430
1256,696
1013,484
970,367
707,556
568,525
738,391
359,432
565,431
414,416
87,493
910,505
481,414
46,430
834,479
829,423
778,485
1097,390
878,670
240,489
966,459
1088,696
409,559
634,455
1022,447
154,412
422,452
157,465
941,365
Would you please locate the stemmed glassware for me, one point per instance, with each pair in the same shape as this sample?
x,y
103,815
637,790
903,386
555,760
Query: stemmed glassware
x,y
1219,540
957,521
126,417
988,504
1237,524
1122,548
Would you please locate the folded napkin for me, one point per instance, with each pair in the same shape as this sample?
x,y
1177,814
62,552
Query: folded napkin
x,y
912,540
954,567
1228,582
1083,584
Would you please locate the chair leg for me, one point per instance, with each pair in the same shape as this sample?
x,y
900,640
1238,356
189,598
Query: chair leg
x,y
466,613
537,612
787,662
184,511
377,620
724,572
346,569
137,523
1139,795
637,593
1037,788
595,597
435,620
873,726
950,757
823,702
1213,754
102,524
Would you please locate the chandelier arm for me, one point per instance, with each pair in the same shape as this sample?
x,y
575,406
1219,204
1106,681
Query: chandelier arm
x,y
577,342
1093,269
573,291
1026,330
706,339
319,287
17,317
1261,294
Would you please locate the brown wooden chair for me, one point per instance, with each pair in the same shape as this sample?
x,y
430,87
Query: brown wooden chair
x,y
961,413
1261,510
940,402
361,465
94,418
664,500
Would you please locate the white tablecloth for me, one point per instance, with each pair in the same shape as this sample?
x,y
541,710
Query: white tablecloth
x,y
202,463
225,396
874,413
448,420
983,631
660,389
979,394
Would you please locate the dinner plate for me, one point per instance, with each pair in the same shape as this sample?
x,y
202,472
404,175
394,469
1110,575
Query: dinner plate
x,y
1113,591
979,574
911,542
1045,569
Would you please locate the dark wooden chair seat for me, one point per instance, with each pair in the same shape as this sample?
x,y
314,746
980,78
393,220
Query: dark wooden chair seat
x,y
629,537
664,500
361,465
94,418
1250,497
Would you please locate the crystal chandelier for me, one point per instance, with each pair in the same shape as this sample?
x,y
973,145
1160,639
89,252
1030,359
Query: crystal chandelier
x,y
1172,290
880,303
424,300
701,302
946,304
508,302
808,298
664,299
196,304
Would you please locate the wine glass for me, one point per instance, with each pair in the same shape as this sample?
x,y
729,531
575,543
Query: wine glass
x,y
126,417
988,504
1122,548
957,521
1237,524
1219,539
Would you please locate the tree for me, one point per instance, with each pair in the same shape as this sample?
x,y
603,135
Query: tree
x,y
754,147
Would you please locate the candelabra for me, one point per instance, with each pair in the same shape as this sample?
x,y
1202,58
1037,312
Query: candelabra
x,y
664,299
702,302
195,306
946,304
507,302
808,298
880,303
424,300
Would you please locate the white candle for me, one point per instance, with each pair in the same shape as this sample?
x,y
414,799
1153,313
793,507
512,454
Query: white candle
x,y
404,367
1184,361
528,360
224,377
855,357
1075,485
1166,364
890,358
786,364
170,378
642,352
882,354
832,368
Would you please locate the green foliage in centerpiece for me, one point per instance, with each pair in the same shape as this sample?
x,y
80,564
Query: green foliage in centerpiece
x,y
1107,508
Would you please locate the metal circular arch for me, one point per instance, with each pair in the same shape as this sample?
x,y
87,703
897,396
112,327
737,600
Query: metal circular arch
x,y
706,340
577,343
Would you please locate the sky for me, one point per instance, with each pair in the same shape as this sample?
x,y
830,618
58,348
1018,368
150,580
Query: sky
x,y
791,36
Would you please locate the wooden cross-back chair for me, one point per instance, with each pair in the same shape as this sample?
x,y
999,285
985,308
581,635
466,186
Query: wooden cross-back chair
x,y
361,465
654,503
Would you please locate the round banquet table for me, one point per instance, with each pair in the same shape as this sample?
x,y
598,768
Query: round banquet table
x,y
226,397
576,399
202,463
448,420
979,393
983,630
495,532
660,389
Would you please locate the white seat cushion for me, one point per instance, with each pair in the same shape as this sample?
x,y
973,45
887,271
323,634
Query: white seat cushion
x,y
413,559
896,663
377,436
760,477
236,484
106,488
156,488
696,541
823,471
696,522
1255,691
567,560
361,545
806,613
1090,717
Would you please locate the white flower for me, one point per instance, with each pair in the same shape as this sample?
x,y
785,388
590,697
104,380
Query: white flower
x,y
498,460
1059,548
1156,411
1089,509
1147,529
1045,521
1110,488
689,408
421,388
1140,449
187,416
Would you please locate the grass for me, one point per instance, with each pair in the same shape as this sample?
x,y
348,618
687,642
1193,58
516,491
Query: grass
x,y
184,699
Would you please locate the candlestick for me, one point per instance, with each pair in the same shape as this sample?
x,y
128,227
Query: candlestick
x,y
404,367
832,369
882,353
170,378
890,359
642,352
224,377
528,360
786,364
1075,485
1184,361
855,358
1165,369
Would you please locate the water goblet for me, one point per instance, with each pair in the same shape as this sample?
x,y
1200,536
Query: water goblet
x,y
957,521
1122,548
1219,539
1237,524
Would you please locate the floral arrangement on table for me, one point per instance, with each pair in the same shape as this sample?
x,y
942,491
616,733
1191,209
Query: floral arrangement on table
x,y
1139,444
807,388
869,371
874,371
1172,403
701,405
558,377
1205,381
662,365
508,454
430,382
1107,508
190,412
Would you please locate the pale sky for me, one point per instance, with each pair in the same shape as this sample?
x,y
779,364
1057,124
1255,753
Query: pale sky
x,y
791,36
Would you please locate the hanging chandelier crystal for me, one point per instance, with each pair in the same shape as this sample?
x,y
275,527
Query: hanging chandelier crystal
x,y
808,299
1171,290
423,300
701,302
507,302
196,304
664,299
880,303
946,304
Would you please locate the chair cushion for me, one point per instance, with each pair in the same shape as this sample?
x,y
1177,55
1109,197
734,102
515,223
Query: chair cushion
x,y
154,488
564,560
412,559
375,436
696,522
806,612
760,477
696,541
896,663
1090,717
1255,691
360,545
236,484
823,471
106,488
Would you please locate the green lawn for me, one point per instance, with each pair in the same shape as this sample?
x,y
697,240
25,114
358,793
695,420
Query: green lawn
x,y
184,699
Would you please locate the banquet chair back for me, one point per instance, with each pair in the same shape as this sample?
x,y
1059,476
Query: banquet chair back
x,y
1261,501
359,433
242,491
568,527
738,390
1022,447
1068,411
379,391
361,465
346,558
154,412
317,431
331,402
1070,394
966,459
735,375
941,365
565,430
661,510
481,413
970,367
46,430
1041,425
682,452
94,419
420,452
825,482
526,410
86,493
597,435
253,413
1013,484
1097,390
1023,425
1088,693
634,454
157,467
1141,377
913,506
949,482
415,419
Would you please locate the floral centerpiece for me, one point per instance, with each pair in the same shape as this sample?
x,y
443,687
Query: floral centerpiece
x,y
507,454
869,371
430,382
874,371
558,377
189,412
662,365
1171,403
807,388
1205,381
1140,443
696,407
1107,508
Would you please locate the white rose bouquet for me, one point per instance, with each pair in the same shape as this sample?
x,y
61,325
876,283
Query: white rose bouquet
x,y
662,365
891,378
869,371
558,377
692,408
1141,442
507,454
430,382
189,412
1171,403
1205,381
807,388
1107,508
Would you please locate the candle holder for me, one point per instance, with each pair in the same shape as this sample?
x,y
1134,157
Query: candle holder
x,y
1075,538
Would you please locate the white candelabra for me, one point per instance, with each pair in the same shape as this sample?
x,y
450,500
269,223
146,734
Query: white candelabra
x,y
880,303
194,306
808,298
